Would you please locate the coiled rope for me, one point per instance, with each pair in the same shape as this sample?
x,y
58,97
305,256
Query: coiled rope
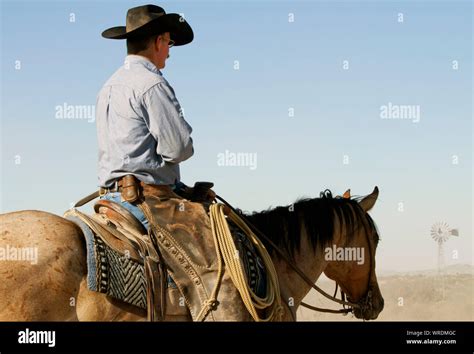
x,y
228,254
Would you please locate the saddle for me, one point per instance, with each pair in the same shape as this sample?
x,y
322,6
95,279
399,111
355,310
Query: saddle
x,y
179,244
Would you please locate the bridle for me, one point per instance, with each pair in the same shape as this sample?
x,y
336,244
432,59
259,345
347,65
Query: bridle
x,y
363,304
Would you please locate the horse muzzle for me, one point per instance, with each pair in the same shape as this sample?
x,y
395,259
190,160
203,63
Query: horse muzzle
x,y
369,306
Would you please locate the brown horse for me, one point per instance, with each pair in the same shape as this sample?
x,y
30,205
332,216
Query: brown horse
x,y
43,261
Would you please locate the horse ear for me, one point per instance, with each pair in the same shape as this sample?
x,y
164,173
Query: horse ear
x,y
369,201
347,194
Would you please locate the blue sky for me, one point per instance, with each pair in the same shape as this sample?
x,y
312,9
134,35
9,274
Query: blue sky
x,y
48,163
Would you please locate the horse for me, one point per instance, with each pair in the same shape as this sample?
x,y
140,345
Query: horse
x,y
53,286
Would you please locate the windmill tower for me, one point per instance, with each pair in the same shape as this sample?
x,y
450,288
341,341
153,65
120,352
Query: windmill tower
x,y
441,232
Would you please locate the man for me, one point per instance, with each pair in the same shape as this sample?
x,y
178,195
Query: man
x,y
142,134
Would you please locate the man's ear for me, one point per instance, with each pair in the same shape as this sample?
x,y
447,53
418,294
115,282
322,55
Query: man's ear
x,y
157,42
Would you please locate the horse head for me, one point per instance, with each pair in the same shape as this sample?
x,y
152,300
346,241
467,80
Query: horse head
x,y
331,235
351,259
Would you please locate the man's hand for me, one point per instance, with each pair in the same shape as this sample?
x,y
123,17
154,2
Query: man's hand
x,y
200,193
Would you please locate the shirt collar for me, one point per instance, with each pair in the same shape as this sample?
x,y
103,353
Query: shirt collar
x,y
138,59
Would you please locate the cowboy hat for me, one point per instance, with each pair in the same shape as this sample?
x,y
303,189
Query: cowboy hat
x,y
148,20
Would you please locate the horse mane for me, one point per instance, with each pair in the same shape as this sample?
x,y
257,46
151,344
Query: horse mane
x,y
284,224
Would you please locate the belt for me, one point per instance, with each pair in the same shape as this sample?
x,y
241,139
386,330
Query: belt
x,y
116,187
161,191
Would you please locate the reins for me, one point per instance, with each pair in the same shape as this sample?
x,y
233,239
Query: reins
x,y
298,270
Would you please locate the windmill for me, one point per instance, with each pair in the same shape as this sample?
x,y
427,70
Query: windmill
x,y
441,232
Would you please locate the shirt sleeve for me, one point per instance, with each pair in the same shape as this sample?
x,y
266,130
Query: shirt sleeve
x,y
164,118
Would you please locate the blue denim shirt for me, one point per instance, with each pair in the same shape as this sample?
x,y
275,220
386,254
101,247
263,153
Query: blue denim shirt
x,y
140,126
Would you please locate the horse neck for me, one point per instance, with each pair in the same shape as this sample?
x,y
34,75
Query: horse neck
x,y
311,262
293,288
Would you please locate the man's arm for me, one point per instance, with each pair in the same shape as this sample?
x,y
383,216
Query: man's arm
x,y
164,119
